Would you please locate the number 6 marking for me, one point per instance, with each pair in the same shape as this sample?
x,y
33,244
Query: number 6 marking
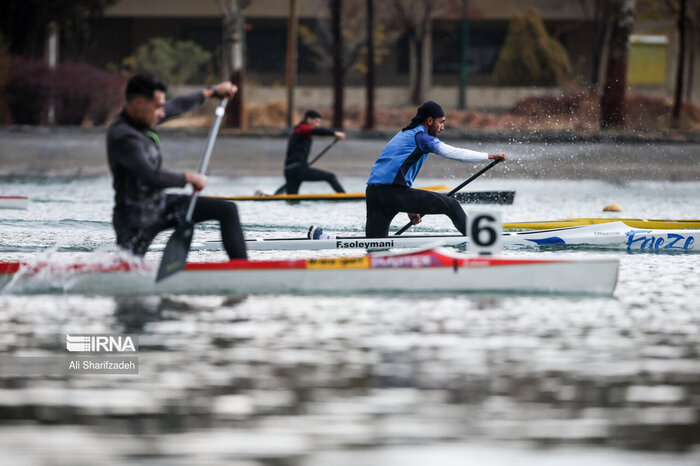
x,y
484,235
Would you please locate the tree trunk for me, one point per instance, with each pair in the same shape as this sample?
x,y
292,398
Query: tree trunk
x,y
235,110
678,94
427,53
291,65
338,73
600,32
371,68
52,58
233,25
692,41
464,57
417,90
612,103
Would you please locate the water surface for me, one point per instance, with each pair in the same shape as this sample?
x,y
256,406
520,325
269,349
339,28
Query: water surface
x,y
370,379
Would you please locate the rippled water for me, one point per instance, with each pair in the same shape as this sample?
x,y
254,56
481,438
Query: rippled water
x,y
369,380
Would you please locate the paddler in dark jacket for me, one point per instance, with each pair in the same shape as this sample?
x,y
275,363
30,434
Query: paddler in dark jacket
x,y
389,188
296,165
141,208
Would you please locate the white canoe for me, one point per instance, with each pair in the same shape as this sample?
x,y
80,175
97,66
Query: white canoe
x,y
14,202
644,223
431,270
614,235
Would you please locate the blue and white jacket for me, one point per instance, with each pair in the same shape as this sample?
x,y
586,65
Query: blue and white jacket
x,y
403,157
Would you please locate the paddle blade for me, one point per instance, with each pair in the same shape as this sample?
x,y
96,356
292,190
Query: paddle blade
x,y
175,253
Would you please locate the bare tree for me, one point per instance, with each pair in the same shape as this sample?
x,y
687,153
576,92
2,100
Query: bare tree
x,y
341,44
338,69
599,12
371,68
291,58
686,26
25,23
613,112
415,20
693,42
233,60
678,94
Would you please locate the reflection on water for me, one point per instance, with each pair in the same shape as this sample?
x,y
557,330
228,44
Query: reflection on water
x,y
293,379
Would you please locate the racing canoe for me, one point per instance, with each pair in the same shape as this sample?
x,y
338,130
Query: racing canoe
x,y
470,197
431,270
614,235
632,222
14,202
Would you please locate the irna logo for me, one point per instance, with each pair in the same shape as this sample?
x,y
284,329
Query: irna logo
x,y
101,343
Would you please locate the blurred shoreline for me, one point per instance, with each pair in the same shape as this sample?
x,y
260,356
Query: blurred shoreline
x,y
63,151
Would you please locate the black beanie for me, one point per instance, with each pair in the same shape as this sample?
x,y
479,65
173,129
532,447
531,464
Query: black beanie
x,y
430,109
427,110
311,114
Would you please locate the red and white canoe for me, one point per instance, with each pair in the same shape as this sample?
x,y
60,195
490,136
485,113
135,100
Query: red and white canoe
x,y
432,270
14,202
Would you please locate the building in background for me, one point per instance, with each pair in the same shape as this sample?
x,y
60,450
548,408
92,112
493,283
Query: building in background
x,y
129,23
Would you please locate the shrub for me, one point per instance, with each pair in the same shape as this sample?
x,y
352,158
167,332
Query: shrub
x,y
27,90
529,56
108,97
85,92
71,88
549,105
173,62
78,91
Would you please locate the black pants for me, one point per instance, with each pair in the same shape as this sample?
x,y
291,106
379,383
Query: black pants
x,y
137,240
385,201
296,175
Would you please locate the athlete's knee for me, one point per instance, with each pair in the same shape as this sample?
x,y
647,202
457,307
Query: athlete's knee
x,y
228,210
377,226
453,203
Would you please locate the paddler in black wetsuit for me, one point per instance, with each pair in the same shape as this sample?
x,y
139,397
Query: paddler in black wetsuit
x,y
296,165
141,208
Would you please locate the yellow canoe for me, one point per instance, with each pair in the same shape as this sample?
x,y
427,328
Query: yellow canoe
x,y
476,197
663,224
312,197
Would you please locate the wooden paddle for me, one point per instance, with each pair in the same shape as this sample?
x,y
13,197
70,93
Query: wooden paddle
x,y
452,193
281,189
178,246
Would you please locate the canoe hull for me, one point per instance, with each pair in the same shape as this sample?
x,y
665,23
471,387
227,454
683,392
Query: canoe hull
x,y
468,197
14,202
654,224
614,236
426,271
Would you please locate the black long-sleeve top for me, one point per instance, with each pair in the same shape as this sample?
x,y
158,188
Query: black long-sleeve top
x,y
135,161
299,144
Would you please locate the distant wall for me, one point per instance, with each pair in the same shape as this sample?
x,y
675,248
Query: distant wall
x,y
478,98
495,99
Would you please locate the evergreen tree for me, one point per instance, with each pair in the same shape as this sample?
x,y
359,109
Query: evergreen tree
x,y
529,56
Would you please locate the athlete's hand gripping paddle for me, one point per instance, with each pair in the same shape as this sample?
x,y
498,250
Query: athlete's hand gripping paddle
x,y
452,193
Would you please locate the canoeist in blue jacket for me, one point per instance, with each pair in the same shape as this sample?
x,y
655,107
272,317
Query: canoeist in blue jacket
x,y
389,186
141,207
296,165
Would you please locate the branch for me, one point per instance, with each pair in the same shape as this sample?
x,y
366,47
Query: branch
x,y
223,9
